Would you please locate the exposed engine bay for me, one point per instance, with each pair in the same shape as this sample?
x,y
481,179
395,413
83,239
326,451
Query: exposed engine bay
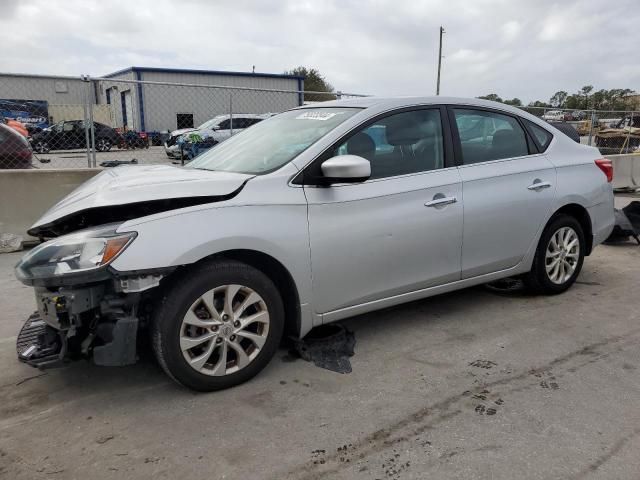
x,y
87,309
98,321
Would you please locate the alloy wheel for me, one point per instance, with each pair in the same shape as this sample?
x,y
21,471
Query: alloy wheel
x,y
103,145
41,147
562,255
224,330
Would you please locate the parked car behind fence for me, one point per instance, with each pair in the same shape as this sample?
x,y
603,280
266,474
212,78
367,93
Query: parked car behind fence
x,y
215,130
15,151
68,135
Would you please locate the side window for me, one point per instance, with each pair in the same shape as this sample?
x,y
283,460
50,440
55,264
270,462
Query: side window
x,y
69,126
225,124
241,122
542,136
486,136
399,144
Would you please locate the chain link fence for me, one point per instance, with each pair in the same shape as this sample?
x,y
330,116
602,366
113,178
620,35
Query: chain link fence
x,y
611,131
118,121
107,121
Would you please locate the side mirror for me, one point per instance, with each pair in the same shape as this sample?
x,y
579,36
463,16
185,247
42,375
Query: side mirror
x,y
215,127
346,169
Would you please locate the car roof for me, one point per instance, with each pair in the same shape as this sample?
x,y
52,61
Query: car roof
x,y
399,102
225,116
388,103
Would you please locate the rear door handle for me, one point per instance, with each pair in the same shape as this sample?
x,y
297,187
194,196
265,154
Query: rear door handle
x,y
539,185
440,201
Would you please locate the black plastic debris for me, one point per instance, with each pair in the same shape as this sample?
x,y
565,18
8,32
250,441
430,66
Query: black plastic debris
x,y
506,286
327,346
627,224
115,163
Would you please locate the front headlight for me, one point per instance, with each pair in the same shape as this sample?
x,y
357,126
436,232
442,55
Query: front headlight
x,y
86,250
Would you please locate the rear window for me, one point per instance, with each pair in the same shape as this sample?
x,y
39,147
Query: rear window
x,y
541,135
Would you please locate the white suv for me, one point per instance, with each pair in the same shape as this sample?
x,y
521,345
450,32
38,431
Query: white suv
x,y
219,128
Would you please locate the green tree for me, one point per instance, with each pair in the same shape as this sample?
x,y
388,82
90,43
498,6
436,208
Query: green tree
x,y
538,103
600,100
492,96
616,98
314,81
516,102
585,91
559,98
572,101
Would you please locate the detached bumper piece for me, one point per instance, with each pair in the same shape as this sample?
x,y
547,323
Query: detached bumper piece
x,y
39,345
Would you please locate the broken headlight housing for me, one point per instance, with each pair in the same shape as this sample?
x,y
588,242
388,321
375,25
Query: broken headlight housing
x,y
82,251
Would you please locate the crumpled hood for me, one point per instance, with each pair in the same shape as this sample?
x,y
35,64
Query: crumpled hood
x,y
126,192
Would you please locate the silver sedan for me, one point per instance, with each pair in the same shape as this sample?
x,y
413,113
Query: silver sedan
x,y
312,216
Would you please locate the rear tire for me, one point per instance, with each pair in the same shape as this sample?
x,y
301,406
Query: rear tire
x,y
559,256
103,145
217,325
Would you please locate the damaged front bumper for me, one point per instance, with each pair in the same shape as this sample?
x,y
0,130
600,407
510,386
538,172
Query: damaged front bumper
x,y
98,321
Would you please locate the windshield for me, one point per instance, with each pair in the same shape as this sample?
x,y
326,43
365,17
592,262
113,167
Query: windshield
x,y
272,143
212,122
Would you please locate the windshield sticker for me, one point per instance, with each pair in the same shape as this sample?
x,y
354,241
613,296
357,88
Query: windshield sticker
x,y
317,115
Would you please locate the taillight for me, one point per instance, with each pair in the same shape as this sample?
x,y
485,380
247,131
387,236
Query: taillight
x,y
605,165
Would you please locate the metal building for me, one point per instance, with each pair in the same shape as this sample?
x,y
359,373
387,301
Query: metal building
x,y
153,99
60,96
171,98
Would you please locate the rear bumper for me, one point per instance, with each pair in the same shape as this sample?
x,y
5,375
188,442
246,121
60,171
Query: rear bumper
x,y
602,220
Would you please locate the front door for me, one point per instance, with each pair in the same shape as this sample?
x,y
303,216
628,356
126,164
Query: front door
x,y
508,190
397,232
70,133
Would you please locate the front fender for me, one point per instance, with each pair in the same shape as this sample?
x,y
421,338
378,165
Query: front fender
x,y
279,231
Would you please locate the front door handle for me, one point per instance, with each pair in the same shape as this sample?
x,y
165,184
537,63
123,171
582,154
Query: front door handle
x,y
539,185
440,201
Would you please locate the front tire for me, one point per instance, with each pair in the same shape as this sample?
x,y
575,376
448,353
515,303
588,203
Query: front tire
x,y
41,147
559,256
218,325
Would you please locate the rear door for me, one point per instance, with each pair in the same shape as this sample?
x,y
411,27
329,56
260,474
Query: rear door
x,y
508,188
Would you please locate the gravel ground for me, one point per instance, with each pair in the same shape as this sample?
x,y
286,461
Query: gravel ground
x,y
471,384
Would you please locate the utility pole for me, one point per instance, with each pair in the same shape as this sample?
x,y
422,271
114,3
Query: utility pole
x,y
439,60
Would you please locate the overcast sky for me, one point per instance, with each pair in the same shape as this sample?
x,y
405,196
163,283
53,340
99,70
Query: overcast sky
x,y
528,49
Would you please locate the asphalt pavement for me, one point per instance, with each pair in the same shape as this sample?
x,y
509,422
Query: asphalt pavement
x,y
473,384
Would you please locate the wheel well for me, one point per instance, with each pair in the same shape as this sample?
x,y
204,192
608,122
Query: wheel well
x,y
582,216
279,275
